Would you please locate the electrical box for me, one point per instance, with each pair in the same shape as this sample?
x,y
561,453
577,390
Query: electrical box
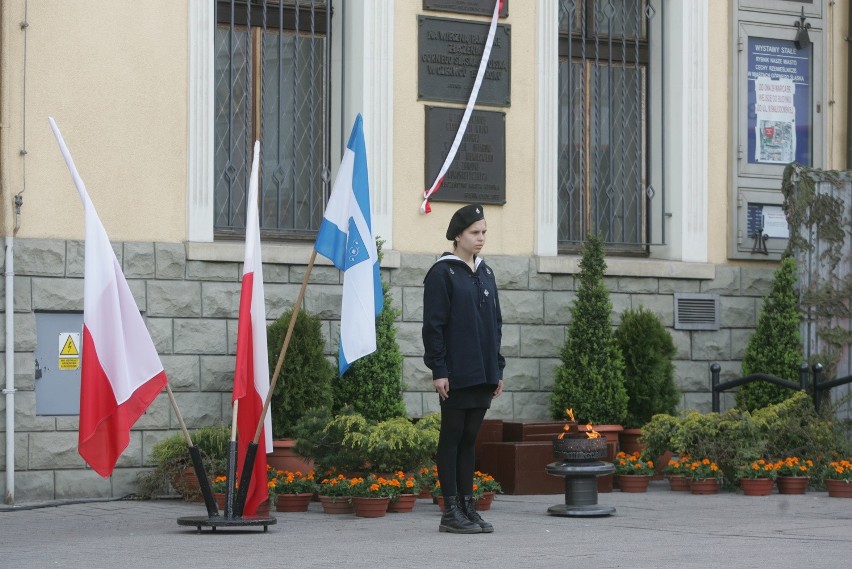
x,y
58,362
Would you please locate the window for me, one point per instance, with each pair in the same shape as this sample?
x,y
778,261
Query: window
x,y
271,84
603,129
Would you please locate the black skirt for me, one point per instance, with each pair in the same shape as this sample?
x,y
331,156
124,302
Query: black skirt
x,y
476,397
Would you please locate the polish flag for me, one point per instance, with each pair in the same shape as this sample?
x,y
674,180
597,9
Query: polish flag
x,y
251,376
121,370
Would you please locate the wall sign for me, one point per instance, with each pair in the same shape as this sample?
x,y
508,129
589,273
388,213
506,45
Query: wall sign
x,y
779,102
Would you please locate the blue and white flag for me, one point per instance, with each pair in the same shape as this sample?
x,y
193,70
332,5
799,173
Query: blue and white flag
x,y
346,238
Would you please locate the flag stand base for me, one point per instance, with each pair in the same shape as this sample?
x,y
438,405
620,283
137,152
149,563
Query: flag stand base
x,y
215,522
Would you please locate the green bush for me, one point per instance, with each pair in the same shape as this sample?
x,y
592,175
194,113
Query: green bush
x,y
373,384
657,434
590,379
775,348
320,436
649,374
306,374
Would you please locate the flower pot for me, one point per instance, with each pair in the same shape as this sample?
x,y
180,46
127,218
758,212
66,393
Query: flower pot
x,y
336,504
263,509
703,486
793,484
633,482
283,457
628,441
403,504
756,486
220,500
425,494
440,501
679,483
483,503
293,502
370,507
838,488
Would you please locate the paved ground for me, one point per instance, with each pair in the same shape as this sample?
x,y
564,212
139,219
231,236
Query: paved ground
x,y
658,529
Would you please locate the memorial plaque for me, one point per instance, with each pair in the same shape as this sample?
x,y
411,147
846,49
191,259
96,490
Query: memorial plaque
x,y
475,7
449,52
478,172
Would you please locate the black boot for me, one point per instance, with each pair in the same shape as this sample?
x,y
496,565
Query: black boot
x,y
468,505
454,519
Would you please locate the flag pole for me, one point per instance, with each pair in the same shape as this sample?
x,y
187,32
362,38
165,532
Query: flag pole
x,y
296,308
251,450
232,464
195,455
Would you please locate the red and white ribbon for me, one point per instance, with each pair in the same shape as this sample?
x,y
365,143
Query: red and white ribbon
x,y
486,54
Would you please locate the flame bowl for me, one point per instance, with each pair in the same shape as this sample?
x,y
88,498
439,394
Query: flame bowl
x,y
580,449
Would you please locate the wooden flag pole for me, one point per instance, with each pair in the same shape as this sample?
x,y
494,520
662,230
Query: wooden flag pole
x,y
296,308
251,450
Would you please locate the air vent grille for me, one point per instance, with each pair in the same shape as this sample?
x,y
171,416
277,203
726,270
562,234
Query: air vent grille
x,y
695,311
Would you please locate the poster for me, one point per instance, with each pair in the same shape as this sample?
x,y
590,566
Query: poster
x,y
779,102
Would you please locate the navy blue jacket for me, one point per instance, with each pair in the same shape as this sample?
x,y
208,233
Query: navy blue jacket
x,y
462,323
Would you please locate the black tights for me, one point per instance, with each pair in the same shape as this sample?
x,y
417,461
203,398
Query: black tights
x,y
457,450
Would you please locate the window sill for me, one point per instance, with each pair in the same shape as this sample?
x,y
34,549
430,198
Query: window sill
x,y
570,264
271,252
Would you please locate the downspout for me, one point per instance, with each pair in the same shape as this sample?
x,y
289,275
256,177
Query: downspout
x,y
9,391
849,90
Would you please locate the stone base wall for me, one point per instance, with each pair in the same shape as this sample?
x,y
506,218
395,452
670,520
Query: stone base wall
x,y
191,309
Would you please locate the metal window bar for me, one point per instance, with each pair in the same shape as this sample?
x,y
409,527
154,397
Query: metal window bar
x,y
272,83
603,134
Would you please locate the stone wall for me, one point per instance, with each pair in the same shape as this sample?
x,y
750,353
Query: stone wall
x,y
191,309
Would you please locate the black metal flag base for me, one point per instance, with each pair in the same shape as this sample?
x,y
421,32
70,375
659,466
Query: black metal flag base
x,y
233,517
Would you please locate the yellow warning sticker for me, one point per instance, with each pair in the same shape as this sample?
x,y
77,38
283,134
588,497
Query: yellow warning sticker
x,y
69,364
69,348
69,351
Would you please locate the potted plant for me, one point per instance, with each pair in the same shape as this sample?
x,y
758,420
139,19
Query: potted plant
x,y
649,374
775,348
590,378
485,487
373,385
292,490
335,494
633,471
705,476
793,474
837,477
677,471
304,383
320,438
397,444
406,498
371,495
657,438
757,477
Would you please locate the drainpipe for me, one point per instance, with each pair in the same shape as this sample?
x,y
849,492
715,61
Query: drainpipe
x,y
9,392
849,90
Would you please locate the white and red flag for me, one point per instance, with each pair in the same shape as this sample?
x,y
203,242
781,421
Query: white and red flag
x,y
251,376
121,370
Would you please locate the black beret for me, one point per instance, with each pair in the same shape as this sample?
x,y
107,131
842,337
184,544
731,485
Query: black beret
x,y
463,218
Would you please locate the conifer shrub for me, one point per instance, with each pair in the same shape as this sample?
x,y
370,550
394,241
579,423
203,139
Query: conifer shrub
x,y
649,374
306,375
775,348
590,379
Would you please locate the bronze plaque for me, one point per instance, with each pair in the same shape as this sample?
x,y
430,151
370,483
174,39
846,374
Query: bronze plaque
x,y
478,172
449,52
474,7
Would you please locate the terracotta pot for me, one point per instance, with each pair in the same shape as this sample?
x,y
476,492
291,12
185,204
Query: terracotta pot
x,y
440,501
838,488
633,482
679,483
186,484
293,502
370,507
628,441
793,484
484,501
263,509
704,486
220,500
425,494
756,486
283,457
660,464
404,503
336,504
